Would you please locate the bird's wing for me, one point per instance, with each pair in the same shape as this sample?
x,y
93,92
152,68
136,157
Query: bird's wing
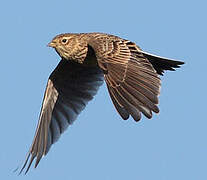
x,y
132,82
69,88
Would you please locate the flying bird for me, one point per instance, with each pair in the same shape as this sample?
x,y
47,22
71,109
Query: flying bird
x,y
132,77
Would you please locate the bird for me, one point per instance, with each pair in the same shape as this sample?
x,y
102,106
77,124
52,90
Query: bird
x,y
132,78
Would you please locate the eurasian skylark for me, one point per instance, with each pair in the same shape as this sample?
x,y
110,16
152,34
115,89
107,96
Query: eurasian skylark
x,y
131,75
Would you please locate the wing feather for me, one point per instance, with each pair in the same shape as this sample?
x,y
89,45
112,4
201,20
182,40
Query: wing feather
x,y
70,87
122,112
132,82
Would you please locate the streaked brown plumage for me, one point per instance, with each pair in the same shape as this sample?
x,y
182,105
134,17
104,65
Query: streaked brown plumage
x,y
131,75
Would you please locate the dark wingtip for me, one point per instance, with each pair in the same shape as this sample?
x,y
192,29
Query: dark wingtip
x,y
37,161
30,157
30,163
137,120
125,117
161,64
181,62
24,165
169,65
177,64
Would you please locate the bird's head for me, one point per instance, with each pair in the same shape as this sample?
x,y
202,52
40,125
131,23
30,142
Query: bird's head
x,y
70,46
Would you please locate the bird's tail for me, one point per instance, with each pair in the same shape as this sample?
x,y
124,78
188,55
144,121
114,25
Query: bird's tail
x,y
160,63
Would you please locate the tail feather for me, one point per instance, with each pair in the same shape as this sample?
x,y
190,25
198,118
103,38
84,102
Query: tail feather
x,y
160,63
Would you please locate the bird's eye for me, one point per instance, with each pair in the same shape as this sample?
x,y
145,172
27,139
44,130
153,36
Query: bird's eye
x,y
64,40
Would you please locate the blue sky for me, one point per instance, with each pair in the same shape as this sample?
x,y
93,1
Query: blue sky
x,y
100,145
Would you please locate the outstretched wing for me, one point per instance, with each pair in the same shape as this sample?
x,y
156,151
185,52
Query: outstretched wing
x,y
132,82
69,88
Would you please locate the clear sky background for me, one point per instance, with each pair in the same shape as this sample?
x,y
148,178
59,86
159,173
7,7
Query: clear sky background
x,y
100,145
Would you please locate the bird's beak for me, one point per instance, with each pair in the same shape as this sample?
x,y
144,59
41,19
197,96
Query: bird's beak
x,y
52,44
